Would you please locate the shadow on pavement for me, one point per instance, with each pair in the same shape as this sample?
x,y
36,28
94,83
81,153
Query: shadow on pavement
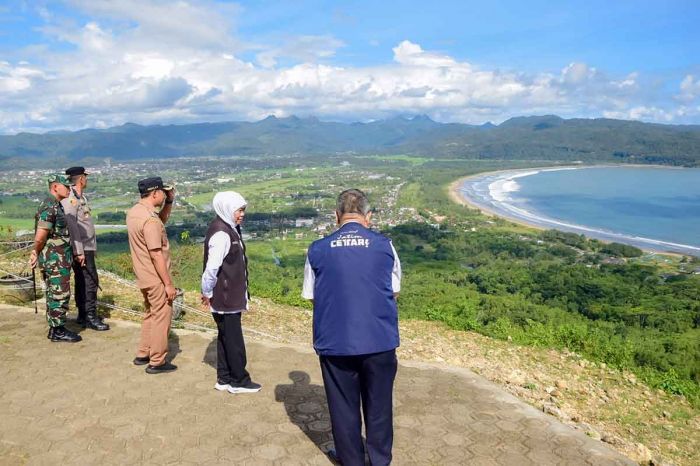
x,y
73,326
210,354
173,346
307,408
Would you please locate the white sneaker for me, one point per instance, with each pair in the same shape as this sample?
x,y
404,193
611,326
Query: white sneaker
x,y
251,387
222,387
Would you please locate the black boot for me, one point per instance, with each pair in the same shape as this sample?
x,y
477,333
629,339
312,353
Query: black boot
x,y
80,320
62,334
94,322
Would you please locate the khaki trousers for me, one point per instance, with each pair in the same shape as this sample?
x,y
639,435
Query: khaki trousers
x,y
155,326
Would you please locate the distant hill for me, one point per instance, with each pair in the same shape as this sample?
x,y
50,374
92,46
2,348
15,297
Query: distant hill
x,y
535,137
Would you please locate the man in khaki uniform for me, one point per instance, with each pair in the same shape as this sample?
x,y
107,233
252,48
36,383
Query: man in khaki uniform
x,y
150,255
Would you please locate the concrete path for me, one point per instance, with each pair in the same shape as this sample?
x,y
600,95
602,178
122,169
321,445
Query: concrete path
x,y
86,403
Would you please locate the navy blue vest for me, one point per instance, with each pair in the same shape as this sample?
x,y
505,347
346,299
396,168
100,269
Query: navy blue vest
x,y
354,307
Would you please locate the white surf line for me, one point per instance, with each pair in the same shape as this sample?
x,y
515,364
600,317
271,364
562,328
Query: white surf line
x,y
497,198
533,218
506,184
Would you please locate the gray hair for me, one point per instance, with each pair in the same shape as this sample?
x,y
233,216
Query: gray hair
x,y
352,201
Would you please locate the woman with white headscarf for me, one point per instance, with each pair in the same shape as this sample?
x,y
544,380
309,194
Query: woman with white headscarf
x,y
225,291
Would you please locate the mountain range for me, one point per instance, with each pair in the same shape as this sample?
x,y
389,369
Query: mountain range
x,y
524,138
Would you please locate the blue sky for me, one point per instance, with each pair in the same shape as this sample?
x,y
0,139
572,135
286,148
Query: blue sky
x,y
95,63
527,35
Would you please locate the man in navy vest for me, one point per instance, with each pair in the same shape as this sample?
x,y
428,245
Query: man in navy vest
x,y
353,277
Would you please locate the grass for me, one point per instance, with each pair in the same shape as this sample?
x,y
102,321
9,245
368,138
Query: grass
x,y
17,223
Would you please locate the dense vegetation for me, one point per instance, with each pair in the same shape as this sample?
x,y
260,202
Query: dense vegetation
x,y
555,295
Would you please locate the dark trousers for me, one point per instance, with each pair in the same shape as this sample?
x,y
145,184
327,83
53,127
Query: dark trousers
x,y
86,282
367,380
230,351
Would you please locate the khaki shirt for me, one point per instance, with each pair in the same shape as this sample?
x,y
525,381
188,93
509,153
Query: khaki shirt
x,y
146,233
80,224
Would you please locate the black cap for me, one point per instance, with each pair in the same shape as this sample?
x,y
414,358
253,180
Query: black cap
x,y
75,171
151,184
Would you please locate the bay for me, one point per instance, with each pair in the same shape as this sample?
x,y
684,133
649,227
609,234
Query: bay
x,y
650,207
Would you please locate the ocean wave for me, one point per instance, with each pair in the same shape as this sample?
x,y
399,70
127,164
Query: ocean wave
x,y
500,189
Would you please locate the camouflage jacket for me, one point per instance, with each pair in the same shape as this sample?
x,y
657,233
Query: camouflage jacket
x,y
50,216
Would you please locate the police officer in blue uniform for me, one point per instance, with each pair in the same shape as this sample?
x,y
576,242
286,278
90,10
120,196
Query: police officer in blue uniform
x,y
353,277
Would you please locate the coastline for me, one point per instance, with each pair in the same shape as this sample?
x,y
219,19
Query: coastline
x,y
459,199
457,195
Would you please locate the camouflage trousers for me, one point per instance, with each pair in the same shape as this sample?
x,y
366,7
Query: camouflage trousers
x,y
55,262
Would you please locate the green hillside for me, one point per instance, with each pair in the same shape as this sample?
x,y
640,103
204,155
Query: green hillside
x,y
543,138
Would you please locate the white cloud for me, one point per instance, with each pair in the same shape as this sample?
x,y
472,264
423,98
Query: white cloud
x,y
95,39
643,113
175,22
578,73
162,61
16,78
408,53
308,49
690,89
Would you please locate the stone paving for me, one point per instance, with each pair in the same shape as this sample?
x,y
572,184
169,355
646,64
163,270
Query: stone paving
x,y
86,403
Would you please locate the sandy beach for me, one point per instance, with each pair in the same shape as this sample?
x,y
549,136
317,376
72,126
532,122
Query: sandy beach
x,y
488,192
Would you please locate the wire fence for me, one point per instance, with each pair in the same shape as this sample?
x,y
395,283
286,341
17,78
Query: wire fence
x,y
24,248
130,284
24,278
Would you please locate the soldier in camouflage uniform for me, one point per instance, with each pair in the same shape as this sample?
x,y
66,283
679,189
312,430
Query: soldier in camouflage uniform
x,y
53,252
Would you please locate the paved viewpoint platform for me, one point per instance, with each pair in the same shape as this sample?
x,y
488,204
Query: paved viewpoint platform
x,y
86,403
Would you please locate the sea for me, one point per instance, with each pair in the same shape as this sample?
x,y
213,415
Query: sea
x,y
653,208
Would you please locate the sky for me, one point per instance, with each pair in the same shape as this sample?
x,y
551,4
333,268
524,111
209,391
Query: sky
x,y
73,64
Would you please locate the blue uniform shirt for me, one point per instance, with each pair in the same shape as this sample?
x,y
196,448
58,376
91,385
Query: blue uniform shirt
x,y
352,276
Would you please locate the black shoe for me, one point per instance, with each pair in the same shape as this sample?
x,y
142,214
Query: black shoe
x,y
167,367
62,334
141,361
95,323
80,320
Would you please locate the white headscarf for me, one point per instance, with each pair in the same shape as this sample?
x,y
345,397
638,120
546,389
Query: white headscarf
x,y
226,203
